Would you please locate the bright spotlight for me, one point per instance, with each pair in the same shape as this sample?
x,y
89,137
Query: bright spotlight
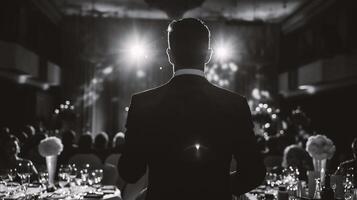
x,y
108,70
223,51
137,50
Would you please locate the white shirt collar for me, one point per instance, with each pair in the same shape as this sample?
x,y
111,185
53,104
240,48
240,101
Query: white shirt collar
x,y
196,72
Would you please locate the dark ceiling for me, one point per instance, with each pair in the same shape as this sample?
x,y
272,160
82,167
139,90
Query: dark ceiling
x,y
245,10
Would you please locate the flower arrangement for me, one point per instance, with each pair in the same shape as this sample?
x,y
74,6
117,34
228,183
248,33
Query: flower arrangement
x,y
320,147
51,146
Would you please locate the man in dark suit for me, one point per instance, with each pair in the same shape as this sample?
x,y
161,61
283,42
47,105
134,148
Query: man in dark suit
x,y
187,130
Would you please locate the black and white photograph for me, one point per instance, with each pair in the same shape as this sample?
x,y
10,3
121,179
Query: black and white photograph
x,y
178,100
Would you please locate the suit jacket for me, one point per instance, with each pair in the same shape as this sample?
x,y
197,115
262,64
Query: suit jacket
x,y
186,132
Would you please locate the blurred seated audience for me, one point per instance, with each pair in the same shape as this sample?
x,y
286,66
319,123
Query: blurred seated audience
x,y
10,150
85,144
101,145
69,146
349,166
295,156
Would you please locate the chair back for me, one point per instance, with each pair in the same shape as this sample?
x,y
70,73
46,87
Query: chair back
x,y
113,159
272,161
134,191
110,174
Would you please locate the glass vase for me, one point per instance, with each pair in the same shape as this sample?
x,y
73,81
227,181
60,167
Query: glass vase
x,y
51,162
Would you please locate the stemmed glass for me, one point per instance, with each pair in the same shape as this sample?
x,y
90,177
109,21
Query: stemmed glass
x,y
84,173
349,184
73,173
43,178
63,176
270,179
12,173
98,176
84,176
24,173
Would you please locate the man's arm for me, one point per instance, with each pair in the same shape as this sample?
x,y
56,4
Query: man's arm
x,y
250,167
132,163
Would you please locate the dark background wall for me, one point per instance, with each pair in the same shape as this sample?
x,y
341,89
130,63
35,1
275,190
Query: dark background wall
x,y
332,108
25,25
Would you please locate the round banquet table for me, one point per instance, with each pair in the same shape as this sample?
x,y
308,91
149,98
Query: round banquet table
x,y
16,191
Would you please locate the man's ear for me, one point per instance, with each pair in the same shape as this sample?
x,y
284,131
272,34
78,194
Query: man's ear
x,y
169,55
208,55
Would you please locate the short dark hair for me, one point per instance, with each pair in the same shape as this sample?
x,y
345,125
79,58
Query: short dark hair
x,y
101,140
189,39
85,142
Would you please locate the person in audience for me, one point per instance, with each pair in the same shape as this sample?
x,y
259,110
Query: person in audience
x,y
85,144
23,137
32,151
29,130
101,145
118,142
349,166
11,160
69,146
4,131
27,133
295,156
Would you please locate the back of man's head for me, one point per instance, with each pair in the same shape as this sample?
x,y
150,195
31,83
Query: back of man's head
x,y
189,43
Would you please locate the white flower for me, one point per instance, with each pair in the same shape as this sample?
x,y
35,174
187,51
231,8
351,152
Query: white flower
x,y
320,147
50,146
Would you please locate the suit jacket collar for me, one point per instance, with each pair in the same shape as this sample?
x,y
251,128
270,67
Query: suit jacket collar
x,y
187,79
196,72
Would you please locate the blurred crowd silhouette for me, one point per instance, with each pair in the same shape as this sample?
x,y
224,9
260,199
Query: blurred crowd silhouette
x,y
21,146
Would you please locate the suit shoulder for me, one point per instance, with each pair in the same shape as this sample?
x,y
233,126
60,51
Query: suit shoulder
x,y
230,94
153,92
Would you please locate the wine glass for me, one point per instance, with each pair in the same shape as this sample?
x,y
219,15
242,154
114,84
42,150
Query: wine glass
x,y
91,177
270,179
63,176
63,179
98,176
84,175
12,173
349,184
43,178
73,173
24,173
